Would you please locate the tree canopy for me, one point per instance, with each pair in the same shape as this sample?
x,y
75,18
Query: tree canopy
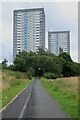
x,y
46,63
4,63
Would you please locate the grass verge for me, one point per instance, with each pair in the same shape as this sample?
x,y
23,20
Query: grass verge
x,y
10,93
12,83
65,92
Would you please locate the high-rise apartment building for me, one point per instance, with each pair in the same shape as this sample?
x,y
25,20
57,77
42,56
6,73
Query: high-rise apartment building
x,y
59,39
28,30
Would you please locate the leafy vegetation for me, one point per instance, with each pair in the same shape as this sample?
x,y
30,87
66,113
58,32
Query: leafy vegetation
x,y
46,64
65,92
30,73
50,75
43,63
4,64
12,83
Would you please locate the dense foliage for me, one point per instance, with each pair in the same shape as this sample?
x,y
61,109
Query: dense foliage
x,y
45,64
4,64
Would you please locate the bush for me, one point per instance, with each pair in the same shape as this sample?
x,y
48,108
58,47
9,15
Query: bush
x,y
11,67
48,62
50,75
4,64
17,75
30,73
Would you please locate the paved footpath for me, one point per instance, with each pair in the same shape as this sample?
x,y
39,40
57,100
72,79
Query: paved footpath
x,y
43,106
14,109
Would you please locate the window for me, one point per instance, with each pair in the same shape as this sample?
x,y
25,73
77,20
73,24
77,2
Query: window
x,y
37,35
37,32
37,27
37,38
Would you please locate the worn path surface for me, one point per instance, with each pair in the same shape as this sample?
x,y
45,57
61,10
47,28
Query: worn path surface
x,y
14,109
43,106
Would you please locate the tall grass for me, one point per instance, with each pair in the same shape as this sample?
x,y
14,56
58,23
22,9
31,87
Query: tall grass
x,y
68,86
10,79
65,92
12,83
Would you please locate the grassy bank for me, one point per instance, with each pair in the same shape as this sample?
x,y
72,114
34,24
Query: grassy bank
x,y
12,83
65,92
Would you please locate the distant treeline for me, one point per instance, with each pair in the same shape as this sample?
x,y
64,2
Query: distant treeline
x,y
44,63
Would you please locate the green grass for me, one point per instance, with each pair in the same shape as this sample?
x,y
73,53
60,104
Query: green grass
x,y
12,83
0,100
65,92
10,93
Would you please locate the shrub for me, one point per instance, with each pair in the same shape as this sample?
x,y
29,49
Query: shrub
x,y
11,67
4,64
30,73
50,75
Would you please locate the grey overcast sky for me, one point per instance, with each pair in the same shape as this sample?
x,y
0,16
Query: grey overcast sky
x,y
58,16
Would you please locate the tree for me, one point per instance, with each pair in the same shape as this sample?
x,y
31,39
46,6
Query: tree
x,y
11,67
61,65
4,64
69,68
65,56
30,73
20,64
41,51
60,50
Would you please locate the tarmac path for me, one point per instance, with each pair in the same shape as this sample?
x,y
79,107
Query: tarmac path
x,y
13,110
43,106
